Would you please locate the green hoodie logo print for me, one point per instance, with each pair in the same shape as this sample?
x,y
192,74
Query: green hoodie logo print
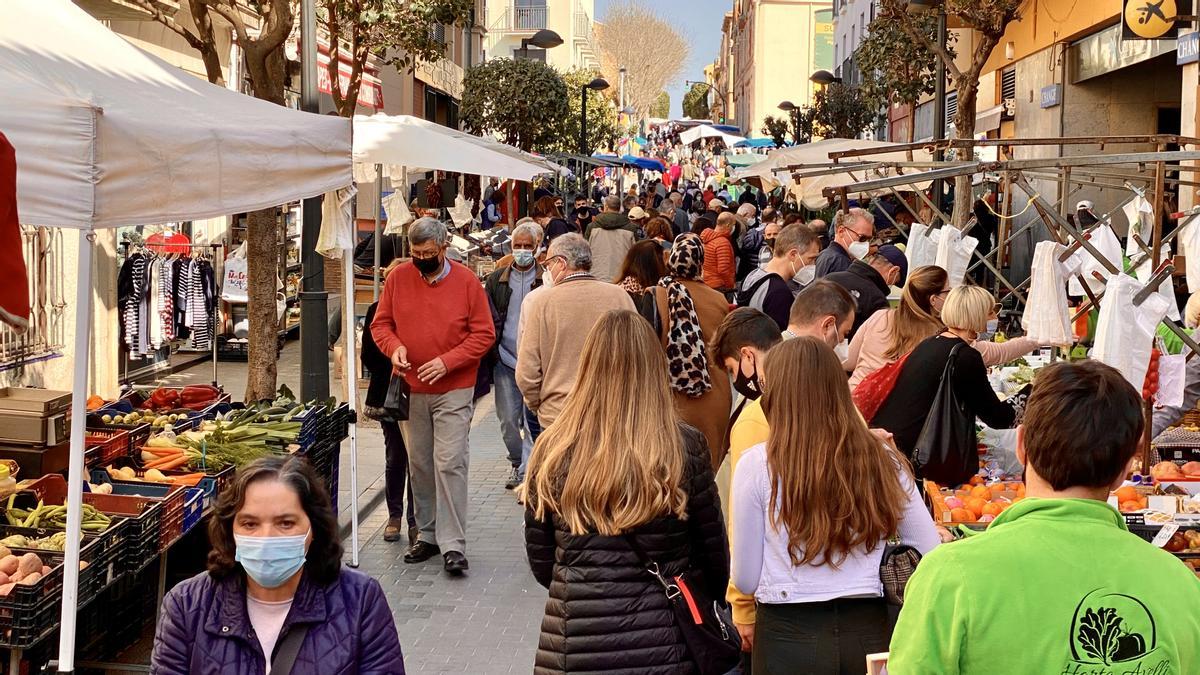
x,y
1112,628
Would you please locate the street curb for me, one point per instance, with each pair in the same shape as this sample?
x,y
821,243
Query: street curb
x,y
344,530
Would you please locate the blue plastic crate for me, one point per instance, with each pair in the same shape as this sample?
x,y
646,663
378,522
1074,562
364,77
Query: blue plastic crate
x,y
193,508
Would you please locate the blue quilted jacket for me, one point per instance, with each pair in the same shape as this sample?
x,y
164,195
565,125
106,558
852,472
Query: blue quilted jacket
x,y
204,629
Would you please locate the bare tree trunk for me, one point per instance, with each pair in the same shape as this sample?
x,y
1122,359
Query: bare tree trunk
x,y
207,44
262,258
964,127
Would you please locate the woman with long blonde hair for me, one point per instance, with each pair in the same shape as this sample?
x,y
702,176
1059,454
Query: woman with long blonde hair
x,y
616,469
812,509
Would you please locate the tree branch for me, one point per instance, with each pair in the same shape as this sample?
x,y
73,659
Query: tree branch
x,y
157,14
901,19
231,14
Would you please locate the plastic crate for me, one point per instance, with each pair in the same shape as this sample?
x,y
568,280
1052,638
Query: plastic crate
x,y
111,444
142,532
310,426
123,407
193,509
212,484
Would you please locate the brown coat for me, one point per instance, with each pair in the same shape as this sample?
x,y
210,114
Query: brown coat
x,y
708,413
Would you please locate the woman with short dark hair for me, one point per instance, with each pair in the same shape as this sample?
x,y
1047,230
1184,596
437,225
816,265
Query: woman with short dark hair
x,y
275,591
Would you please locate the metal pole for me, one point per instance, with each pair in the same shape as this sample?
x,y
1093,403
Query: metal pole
x,y
314,301
939,107
378,230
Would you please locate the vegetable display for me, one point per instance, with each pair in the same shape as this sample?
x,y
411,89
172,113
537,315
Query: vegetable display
x,y
55,517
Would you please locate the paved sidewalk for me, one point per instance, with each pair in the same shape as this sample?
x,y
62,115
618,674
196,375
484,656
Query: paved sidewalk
x,y
484,623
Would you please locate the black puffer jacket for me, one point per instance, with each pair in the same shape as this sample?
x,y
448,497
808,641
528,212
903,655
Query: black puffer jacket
x,y
606,614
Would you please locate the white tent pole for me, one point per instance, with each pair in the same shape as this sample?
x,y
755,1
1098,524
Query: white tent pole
x,y
79,393
352,387
378,230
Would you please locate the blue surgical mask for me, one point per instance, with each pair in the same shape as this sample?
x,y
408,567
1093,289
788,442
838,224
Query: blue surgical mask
x,y
522,257
270,561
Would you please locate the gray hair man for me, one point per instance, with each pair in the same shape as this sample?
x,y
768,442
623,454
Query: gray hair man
x,y
433,319
556,322
507,289
852,234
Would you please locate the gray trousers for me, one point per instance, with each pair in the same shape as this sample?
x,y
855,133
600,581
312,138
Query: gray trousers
x,y
436,435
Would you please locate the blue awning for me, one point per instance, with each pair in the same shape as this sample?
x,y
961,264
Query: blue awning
x,y
755,143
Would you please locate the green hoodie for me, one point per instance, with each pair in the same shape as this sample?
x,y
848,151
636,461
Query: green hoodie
x,y
1054,586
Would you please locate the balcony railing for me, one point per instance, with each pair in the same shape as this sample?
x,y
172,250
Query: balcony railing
x,y
43,253
528,18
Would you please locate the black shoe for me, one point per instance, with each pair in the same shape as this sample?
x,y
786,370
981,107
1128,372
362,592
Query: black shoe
x,y
420,552
513,480
455,563
391,532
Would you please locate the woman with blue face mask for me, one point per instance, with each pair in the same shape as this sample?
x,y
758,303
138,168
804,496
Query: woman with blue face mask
x,y
275,598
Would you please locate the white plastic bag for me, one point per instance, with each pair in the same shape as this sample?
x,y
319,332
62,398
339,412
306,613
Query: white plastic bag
x,y
1140,214
460,213
1189,240
922,246
1144,271
1047,318
1106,242
1124,332
397,212
236,287
337,223
954,254
1171,377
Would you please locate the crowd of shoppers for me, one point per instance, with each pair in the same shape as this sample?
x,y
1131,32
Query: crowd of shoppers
x,y
677,382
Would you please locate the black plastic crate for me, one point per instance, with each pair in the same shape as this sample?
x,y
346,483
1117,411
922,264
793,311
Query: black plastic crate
x,y
29,612
142,533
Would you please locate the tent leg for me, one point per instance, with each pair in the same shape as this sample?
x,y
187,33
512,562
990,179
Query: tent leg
x,y
378,230
79,393
351,393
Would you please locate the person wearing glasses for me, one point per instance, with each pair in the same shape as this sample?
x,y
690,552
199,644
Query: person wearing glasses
x,y
852,234
965,314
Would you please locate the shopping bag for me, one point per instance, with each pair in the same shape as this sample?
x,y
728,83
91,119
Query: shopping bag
x,y
396,401
945,452
875,388
236,287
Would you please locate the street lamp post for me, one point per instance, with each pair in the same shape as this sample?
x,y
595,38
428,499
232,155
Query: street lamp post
x,y
939,84
598,84
791,109
543,39
314,301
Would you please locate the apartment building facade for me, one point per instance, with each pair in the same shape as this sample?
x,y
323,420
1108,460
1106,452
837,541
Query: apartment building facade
x,y
509,22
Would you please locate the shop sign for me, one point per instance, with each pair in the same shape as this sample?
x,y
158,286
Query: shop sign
x,y
1152,19
445,75
1187,50
1051,95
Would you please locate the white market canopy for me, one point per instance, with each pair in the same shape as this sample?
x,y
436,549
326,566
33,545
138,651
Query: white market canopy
x,y
421,145
705,131
108,135
775,171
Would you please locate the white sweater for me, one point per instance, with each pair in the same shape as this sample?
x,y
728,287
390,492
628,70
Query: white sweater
x,y
762,567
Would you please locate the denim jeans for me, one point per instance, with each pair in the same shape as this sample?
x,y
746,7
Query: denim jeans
x,y
535,430
510,410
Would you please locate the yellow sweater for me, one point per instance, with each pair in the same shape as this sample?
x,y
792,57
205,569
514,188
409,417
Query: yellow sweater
x,y
749,430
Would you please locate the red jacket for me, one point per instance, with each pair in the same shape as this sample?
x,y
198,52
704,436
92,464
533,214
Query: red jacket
x,y
719,265
450,319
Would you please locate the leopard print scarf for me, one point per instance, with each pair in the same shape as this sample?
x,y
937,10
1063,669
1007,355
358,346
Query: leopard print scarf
x,y
686,356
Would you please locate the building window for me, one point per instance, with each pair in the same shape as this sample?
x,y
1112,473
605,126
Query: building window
x,y
951,105
1008,84
531,53
529,14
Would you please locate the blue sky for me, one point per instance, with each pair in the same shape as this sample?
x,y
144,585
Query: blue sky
x,y
699,21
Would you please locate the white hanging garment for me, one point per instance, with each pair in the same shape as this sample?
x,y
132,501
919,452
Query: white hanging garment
x,y
1189,241
1125,333
397,213
922,246
1144,271
1047,317
1140,214
337,223
460,213
1107,243
954,254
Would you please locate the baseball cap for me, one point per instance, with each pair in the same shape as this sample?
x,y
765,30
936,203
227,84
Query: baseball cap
x,y
1085,204
897,258
714,204
637,213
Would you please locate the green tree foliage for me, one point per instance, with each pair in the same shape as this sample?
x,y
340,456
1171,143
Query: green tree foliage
x,y
602,116
523,101
896,68
777,128
394,32
695,102
661,108
842,111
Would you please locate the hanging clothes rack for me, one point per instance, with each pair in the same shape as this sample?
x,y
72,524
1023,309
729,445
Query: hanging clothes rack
x,y
137,241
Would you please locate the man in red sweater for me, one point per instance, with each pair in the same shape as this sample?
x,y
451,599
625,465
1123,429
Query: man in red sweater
x,y
434,321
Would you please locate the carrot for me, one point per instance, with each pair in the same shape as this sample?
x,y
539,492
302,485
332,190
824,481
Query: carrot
x,y
171,464
162,452
162,462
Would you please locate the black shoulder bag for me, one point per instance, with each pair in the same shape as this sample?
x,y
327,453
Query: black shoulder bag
x,y
945,452
287,650
706,624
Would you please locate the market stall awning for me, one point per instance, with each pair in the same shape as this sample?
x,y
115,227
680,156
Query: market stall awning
x,y
743,159
756,143
711,131
107,134
647,163
420,145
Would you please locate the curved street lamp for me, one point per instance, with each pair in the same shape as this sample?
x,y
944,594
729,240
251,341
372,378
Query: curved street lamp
x,y
543,39
824,78
598,84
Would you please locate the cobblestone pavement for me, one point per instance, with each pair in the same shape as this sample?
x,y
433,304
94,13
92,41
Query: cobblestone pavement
x,y
487,621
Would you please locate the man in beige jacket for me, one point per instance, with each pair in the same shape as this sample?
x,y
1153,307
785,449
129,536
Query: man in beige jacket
x,y
555,322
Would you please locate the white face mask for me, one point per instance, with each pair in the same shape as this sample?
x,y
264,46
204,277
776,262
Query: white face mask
x,y
547,279
842,350
805,275
859,249
993,325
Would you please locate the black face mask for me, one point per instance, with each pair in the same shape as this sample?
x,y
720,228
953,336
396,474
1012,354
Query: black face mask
x,y
747,385
428,266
